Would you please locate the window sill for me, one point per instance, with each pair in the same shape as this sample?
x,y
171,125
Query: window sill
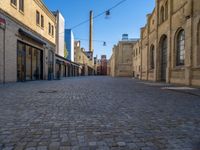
x,y
177,68
151,70
22,12
38,25
13,5
196,67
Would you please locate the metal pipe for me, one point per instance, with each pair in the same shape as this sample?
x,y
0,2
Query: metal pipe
x,y
4,57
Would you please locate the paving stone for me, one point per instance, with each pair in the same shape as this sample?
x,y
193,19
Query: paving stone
x,y
42,148
8,148
92,143
31,148
97,113
121,144
54,146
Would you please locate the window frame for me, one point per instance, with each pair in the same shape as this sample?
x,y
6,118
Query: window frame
x,y
180,48
42,21
37,17
21,6
52,30
166,10
13,3
152,57
162,14
49,28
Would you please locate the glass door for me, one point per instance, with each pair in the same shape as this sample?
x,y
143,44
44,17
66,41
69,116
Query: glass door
x,y
21,65
28,63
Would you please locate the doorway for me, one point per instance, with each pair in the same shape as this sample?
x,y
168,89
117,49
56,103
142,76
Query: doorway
x,y
163,50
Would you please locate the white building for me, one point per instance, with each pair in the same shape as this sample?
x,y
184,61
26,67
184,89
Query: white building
x,y
60,35
69,39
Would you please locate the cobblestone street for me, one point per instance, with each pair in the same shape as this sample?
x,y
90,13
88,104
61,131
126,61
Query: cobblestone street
x,y
97,113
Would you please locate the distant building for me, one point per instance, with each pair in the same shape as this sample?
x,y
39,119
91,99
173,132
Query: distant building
x,y
121,61
81,58
69,40
60,34
101,65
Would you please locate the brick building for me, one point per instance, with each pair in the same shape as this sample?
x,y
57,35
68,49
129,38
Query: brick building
x,y
81,58
169,44
102,65
28,42
121,61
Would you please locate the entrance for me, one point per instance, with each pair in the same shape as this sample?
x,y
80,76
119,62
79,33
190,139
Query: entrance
x,y
29,63
163,47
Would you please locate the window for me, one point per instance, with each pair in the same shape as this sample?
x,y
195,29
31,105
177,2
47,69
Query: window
x,y
52,28
21,5
49,28
37,17
42,21
14,2
166,10
153,22
152,51
180,57
162,14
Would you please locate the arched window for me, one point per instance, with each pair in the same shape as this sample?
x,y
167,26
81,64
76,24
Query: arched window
x,y
166,10
136,51
152,51
162,14
180,56
163,55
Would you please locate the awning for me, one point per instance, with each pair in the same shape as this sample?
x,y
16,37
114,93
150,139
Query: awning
x,y
29,35
59,62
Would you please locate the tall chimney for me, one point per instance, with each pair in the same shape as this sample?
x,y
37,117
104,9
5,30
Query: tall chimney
x,y
91,32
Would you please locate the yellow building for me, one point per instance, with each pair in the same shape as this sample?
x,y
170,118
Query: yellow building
x,y
169,43
137,60
81,57
27,44
121,61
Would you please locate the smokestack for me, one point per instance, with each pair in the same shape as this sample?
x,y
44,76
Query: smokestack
x,y
91,32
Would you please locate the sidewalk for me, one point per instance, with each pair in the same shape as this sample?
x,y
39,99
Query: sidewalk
x,y
173,87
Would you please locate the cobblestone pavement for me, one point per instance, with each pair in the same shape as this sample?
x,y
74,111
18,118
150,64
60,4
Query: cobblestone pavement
x,y
97,113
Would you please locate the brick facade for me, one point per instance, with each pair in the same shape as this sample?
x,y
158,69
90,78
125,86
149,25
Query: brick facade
x,y
165,23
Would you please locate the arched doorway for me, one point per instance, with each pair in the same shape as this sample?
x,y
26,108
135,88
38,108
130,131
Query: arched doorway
x,y
152,54
163,61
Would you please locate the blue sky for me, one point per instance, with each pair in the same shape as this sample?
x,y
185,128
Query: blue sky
x,y
128,18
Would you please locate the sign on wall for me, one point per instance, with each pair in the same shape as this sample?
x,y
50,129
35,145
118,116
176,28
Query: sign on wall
x,y
2,23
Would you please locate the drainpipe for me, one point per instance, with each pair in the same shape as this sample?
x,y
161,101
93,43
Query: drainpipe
x,y
4,56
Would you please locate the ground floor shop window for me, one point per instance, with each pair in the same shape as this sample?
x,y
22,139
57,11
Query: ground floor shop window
x,y
29,62
50,65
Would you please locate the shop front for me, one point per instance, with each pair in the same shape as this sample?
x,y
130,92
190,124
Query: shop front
x,y
29,62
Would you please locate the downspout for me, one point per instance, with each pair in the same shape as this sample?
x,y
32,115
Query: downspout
x,y
191,54
4,57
